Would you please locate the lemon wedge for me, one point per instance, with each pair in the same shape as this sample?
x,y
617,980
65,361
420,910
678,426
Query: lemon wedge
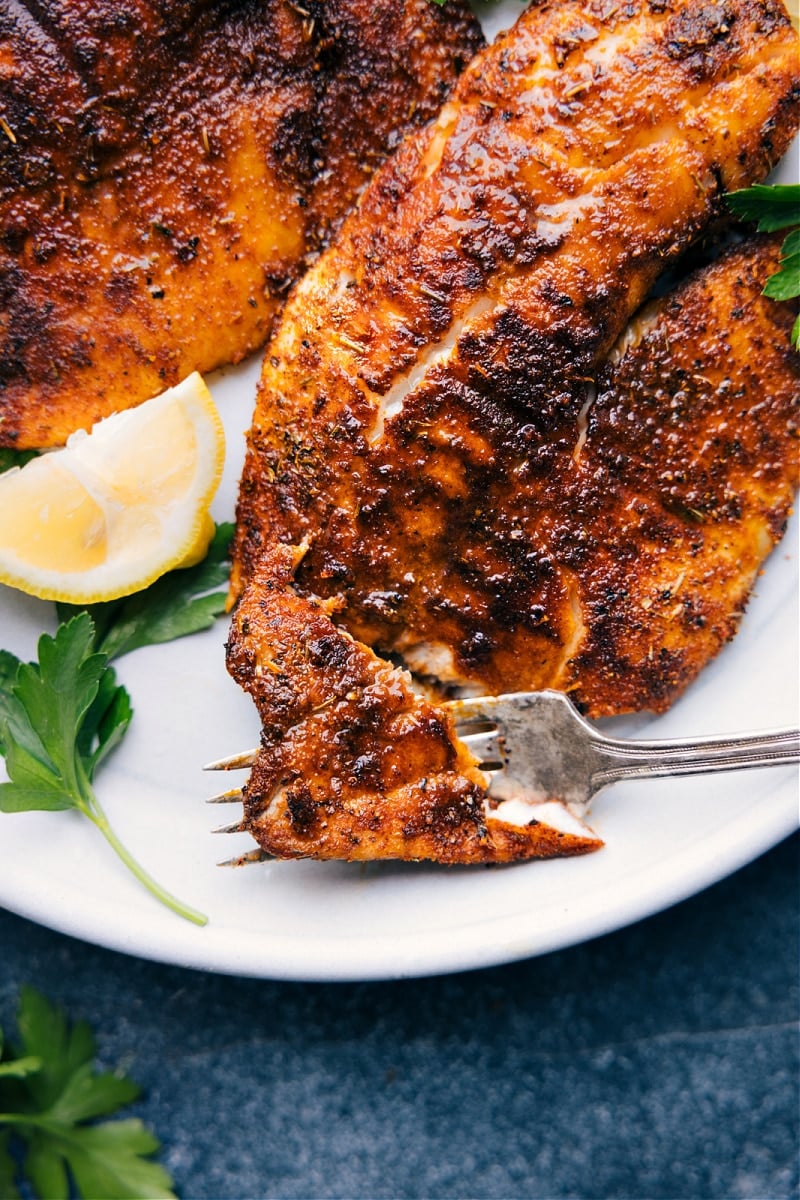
x,y
117,507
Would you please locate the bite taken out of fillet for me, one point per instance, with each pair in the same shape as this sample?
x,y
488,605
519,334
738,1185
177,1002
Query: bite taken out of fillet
x,y
355,762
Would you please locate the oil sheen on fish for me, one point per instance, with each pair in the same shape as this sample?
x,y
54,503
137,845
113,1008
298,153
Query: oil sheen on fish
x,y
431,369
658,499
466,459
167,167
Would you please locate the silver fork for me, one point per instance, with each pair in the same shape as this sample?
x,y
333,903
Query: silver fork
x,y
539,747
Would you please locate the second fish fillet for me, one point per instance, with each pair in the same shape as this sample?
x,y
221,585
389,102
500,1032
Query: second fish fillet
x,y
169,167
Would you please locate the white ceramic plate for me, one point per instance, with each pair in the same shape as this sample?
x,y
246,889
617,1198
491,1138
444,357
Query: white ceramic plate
x,y
323,921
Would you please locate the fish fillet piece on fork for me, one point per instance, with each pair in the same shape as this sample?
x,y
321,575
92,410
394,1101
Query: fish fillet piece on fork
x,y
478,461
167,167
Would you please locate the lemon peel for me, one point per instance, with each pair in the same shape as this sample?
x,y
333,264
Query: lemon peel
x,y
114,509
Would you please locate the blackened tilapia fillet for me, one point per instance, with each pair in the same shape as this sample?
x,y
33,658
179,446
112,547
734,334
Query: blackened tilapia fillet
x,y
656,502
430,370
451,463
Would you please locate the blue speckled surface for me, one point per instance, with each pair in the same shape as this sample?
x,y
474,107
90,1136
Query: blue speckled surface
x,y
660,1061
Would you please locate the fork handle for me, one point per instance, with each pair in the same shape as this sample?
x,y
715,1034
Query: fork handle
x,y
624,759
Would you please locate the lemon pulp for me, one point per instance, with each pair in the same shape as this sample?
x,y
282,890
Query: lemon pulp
x,y
117,507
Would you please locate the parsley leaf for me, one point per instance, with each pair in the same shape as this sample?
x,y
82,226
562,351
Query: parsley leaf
x,y
59,719
175,605
47,1108
785,284
8,1169
14,458
9,665
774,207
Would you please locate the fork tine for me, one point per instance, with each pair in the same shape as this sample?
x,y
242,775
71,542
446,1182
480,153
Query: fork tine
x,y
236,827
485,746
244,860
229,797
474,708
234,762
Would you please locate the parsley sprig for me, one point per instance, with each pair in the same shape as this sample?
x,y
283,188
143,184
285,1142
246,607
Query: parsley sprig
x,y
179,603
773,207
60,718
50,1099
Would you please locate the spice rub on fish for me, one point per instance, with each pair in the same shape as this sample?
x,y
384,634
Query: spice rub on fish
x,y
428,379
466,472
355,764
658,499
166,170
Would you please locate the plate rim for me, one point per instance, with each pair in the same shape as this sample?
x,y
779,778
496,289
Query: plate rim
x,y
755,831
